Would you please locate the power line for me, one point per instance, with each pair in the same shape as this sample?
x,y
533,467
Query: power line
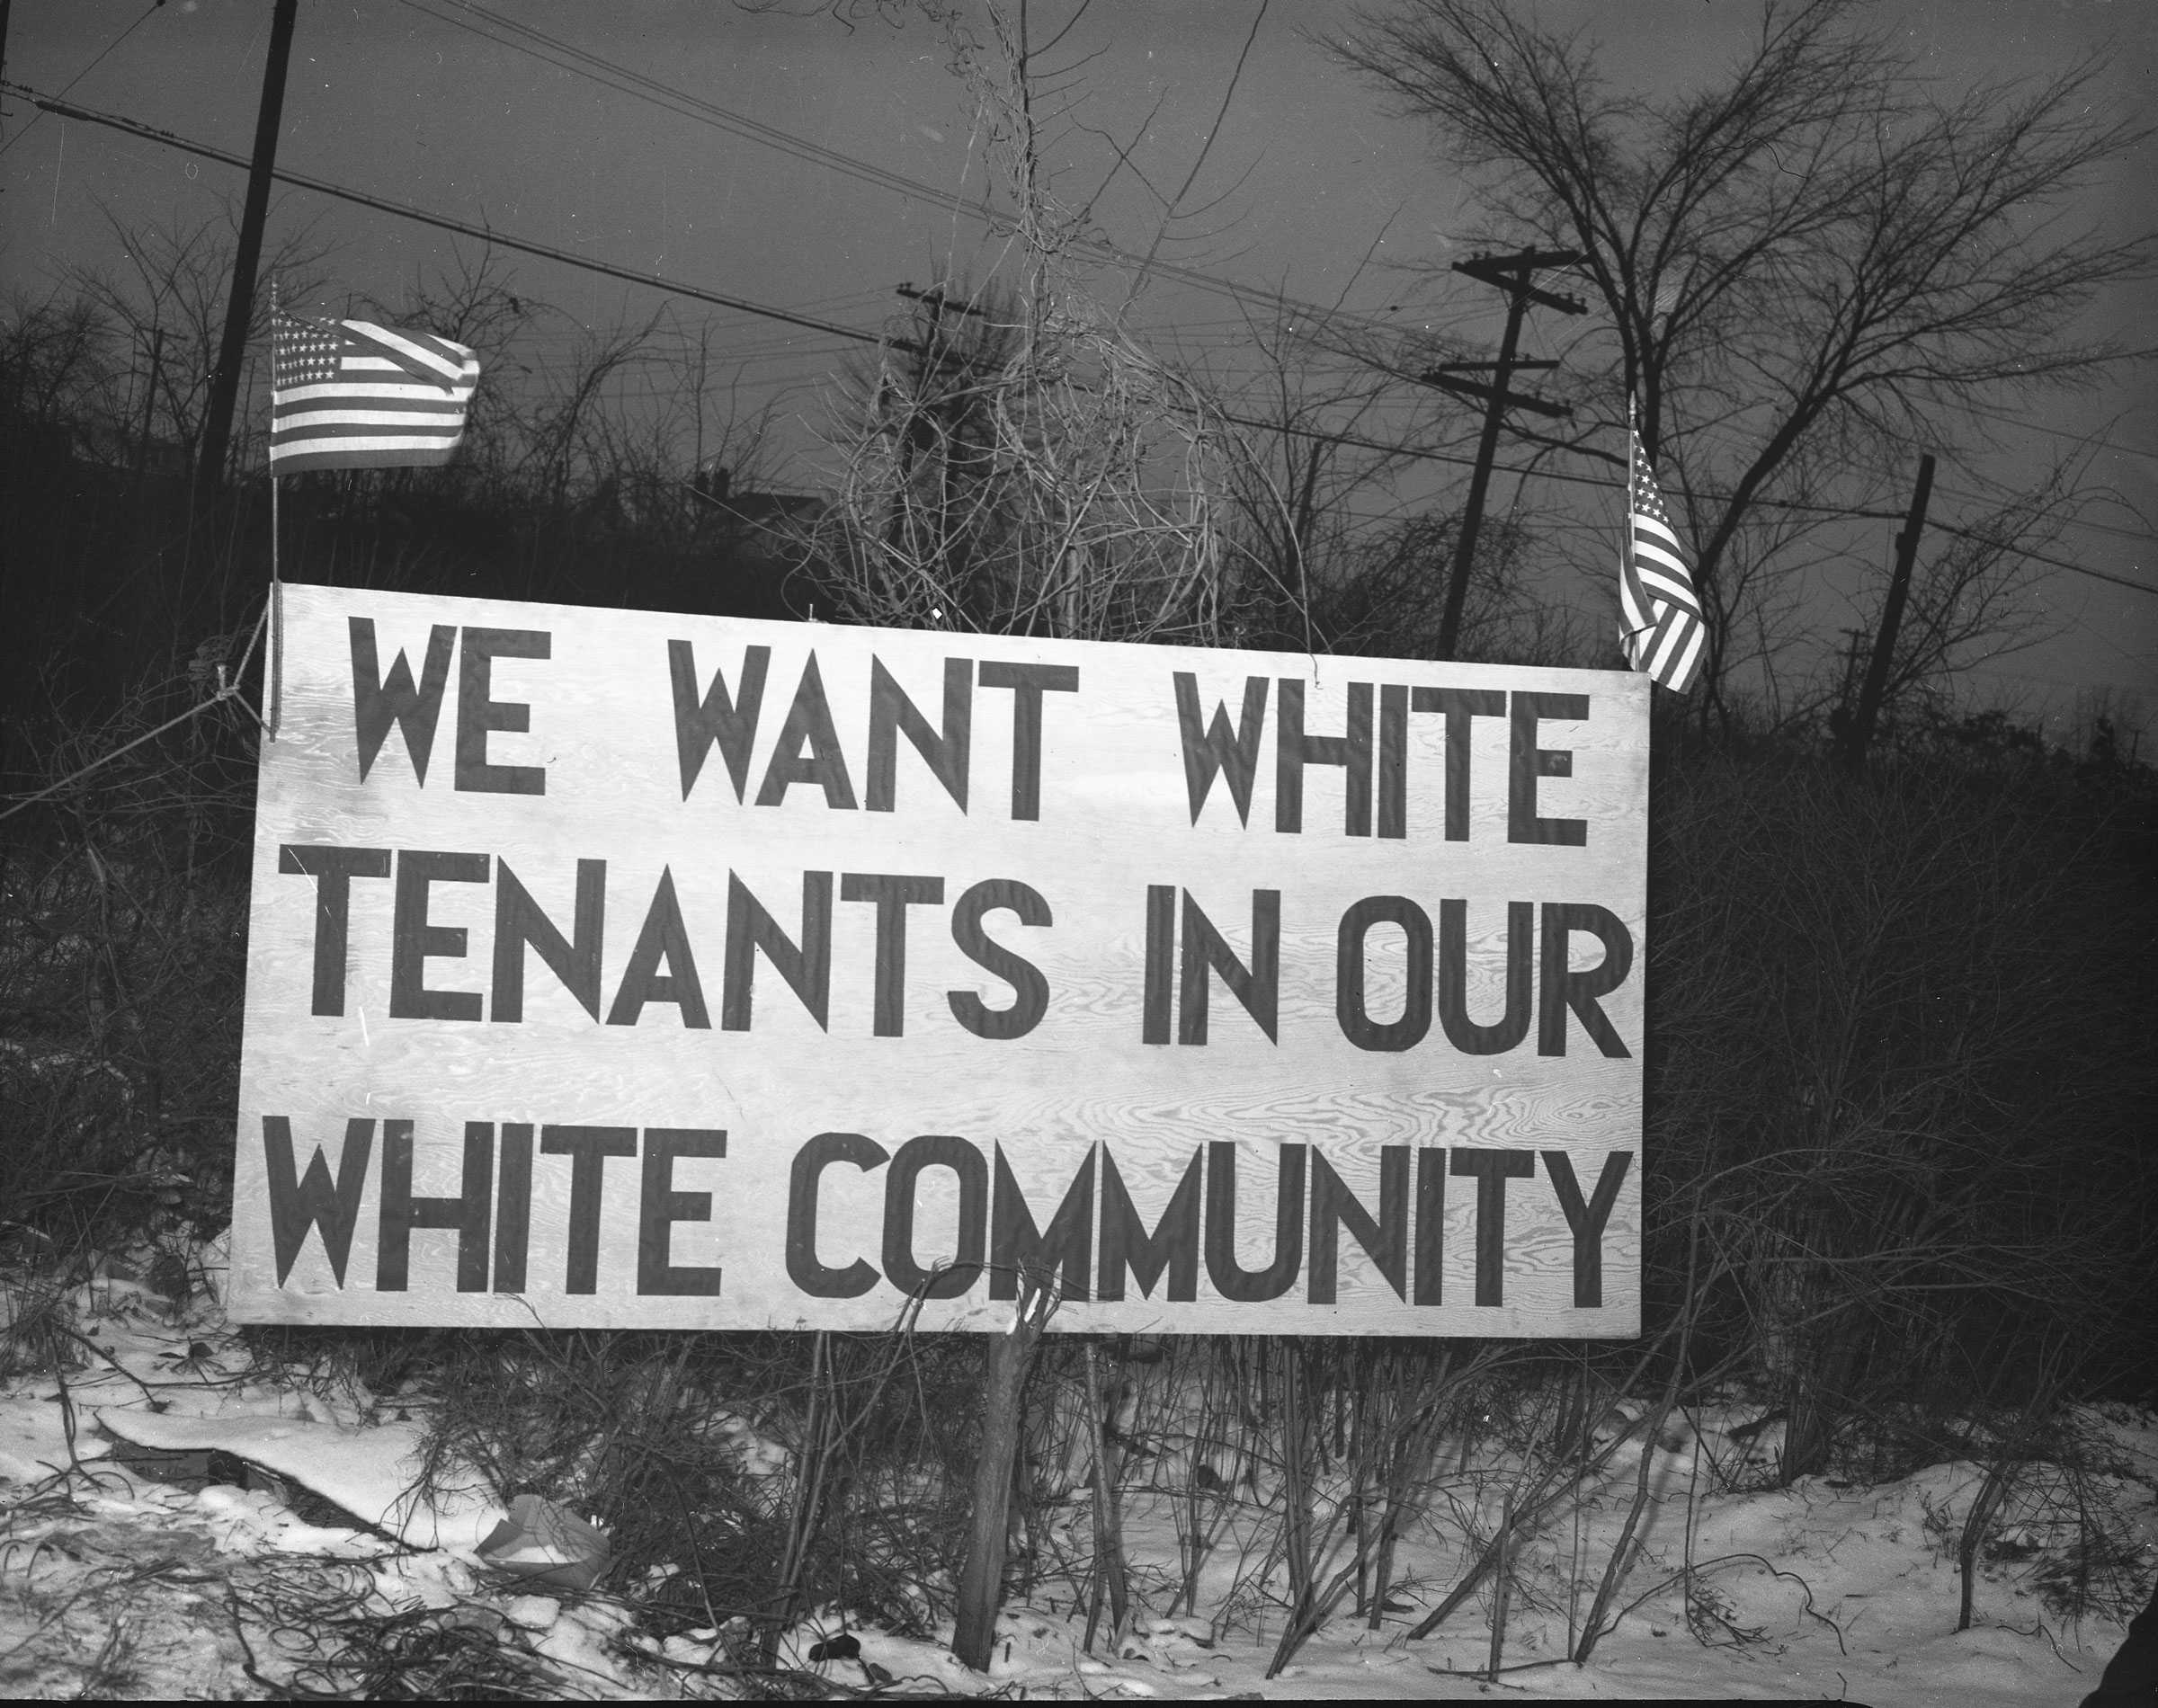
x,y
2097,440
1767,503
2137,536
2039,557
85,71
443,222
1982,667
621,78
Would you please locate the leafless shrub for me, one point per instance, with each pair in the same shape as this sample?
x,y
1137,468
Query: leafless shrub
x,y
1881,1089
122,907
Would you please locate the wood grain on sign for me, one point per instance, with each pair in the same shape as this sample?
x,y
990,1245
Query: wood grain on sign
x,y
615,968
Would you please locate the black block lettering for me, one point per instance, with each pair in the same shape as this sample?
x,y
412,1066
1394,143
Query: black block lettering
x,y
807,968
1172,1246
378,704
333,869
1349,1010
477,713
1230,1278
1028,683
1214,750
1431,1226
660,1208
1293,750
1586,1220
1393,759
468,1213
1463,1033
1385,1237
808,726
934,1150
1018,1250
519,924
588,1149
664,937
1491,1169
807,1272
1564,990
892,894
1160,963
413,942
1526,761
316,1200
718,719
514,1207
946,754
1257,987
1459,705
1031,990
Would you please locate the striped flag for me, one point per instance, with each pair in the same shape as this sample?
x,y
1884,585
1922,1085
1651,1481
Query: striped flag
x,y
1663,632
345,394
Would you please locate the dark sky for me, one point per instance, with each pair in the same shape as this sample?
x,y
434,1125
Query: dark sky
x,y
1307,188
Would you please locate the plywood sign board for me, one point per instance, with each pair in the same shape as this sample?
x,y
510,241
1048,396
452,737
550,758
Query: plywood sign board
x,y
612,968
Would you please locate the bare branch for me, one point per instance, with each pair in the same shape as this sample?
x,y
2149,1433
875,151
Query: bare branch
x,y
1813,253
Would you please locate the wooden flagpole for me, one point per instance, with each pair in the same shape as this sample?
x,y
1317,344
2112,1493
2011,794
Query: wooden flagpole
x,y
1632,640
276,621
276,669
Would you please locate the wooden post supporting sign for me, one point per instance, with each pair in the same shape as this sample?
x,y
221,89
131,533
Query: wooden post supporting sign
x,y
982,1578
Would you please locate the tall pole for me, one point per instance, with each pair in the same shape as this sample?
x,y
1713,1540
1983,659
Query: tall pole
x,y
982,1573
1892,617
239,307
3,11
1511,274
1479,482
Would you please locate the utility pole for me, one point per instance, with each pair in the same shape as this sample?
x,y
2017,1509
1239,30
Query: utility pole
x,y
5,5
225,380
1892,617
1511,274
935,299
938,360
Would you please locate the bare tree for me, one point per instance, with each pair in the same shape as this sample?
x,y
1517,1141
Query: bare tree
x,y
59,361
1805,267
1973,595
1073,488
1331,554
167,295
1039,472
1311,480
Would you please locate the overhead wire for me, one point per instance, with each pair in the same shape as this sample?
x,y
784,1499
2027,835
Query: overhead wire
x,y
2097,440
613,74
854,334
2135,534
443,222
85,71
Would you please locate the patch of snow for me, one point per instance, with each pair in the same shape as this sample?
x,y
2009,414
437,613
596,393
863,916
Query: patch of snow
x,y
112,1583
376,1473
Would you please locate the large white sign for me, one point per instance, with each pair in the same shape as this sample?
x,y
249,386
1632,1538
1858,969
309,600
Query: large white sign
x,y
612,968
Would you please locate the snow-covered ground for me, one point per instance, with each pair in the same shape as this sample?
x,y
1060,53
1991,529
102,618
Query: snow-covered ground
x,y
123,1575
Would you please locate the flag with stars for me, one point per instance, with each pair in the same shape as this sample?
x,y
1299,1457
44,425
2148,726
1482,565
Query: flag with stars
x,y
1661,614
346,394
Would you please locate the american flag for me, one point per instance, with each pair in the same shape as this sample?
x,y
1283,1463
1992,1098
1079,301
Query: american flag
x,y
1663,632
345,394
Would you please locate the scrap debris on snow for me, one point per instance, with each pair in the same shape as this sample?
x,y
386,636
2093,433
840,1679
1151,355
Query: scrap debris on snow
x,y
177,1521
